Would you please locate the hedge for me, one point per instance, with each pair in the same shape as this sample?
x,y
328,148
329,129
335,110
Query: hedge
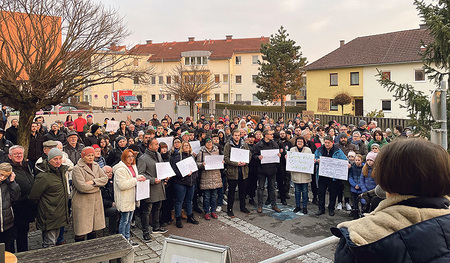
x,y
291,109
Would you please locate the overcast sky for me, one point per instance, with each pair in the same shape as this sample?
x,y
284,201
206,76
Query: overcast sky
x,y
315,25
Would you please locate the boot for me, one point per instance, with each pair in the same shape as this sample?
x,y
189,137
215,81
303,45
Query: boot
x,y
178,222
183,214
191,219
79,238
315,201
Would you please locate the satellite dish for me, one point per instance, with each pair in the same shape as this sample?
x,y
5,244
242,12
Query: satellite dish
x,y
435,105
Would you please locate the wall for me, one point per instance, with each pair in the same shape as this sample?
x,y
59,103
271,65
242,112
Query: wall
x,y
318,83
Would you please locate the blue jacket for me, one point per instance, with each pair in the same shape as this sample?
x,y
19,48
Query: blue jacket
x,y
367,183
354,176
334,152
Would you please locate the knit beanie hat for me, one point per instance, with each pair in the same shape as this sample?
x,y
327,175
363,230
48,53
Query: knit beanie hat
x,y
86,151
94,128
54,152
343,134
376,145
371,156
362,123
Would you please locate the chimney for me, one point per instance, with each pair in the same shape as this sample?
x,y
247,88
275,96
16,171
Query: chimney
x,y
341,43
149,42
229,37
191,39
423,26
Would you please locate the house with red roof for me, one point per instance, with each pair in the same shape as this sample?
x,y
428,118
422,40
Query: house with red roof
x,y
353,68
232,62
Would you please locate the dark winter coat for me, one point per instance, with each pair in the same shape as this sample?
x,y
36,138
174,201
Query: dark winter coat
x,y
59,136
267,168
114,156
233,168
354,176
11,134
367,183
10,191
74,153
108,193
178,179
24,210
35,148
51,193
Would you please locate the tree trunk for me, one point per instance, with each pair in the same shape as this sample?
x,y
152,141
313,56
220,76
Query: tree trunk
x,y
25,121
342,107
192,106
283,106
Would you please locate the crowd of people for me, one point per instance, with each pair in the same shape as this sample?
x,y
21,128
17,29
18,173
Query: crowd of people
x,y
77,169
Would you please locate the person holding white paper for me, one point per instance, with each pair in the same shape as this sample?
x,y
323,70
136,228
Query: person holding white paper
x,y
301,180
147,167
210,180
183,186
237,173
328,149
125,179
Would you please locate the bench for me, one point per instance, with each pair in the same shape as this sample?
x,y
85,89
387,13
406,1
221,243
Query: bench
x,y
94,250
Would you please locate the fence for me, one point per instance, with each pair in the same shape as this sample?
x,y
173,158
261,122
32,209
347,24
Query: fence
x,y
324,119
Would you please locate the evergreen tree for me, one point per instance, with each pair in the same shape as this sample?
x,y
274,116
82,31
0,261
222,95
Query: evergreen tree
x,y
281,70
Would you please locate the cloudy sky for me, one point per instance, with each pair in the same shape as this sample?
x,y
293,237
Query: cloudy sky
x,y
316,25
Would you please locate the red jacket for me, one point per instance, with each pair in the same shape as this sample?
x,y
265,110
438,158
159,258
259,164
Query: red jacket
x,y
79,123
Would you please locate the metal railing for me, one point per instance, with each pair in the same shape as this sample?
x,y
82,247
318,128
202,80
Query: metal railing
x,y
324,119
302,250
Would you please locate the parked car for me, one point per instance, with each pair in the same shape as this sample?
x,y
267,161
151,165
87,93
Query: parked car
x,y
67,109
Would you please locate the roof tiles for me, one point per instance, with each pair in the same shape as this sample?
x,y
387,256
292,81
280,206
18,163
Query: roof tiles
x,y
395,47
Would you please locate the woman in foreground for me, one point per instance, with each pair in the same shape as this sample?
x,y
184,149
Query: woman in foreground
x,y
413,223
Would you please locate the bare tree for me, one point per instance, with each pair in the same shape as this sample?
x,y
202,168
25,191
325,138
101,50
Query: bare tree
x,y
53,49
190,83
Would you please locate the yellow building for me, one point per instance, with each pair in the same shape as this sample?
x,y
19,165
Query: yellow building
x,y
233,63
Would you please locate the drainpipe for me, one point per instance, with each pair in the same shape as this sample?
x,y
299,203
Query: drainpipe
x,y
229,81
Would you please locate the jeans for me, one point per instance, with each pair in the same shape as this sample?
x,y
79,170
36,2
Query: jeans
x,y
209,200
125,223
146,208
301,195
183,193
332,186
49,237
270,188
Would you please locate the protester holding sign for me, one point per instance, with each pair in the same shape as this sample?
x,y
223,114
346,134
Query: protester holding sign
x,y
147,167
210,180
183,186
328,149
237,173
266,171
301,180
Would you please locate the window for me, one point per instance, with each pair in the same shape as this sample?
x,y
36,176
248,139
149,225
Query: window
x,y
196,61
254,78
225,78
161,96
238,97
386,105
168,79
153,97
254,60
136,62
136,80
333,107
419,75
386,75
176,79
333,79
225,97
217,96
161,80
254,98
169,96
217,78
238,60
153,80
204,98
354,78
238,79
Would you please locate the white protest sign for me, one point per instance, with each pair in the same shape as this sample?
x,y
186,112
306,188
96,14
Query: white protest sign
x,y
142,190
270,156
167,140
164,170
187,166
195,145
239,155
213,162
300,162
333,168
112,126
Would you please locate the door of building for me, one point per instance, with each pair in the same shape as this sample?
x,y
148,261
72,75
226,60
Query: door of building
x,y
359,109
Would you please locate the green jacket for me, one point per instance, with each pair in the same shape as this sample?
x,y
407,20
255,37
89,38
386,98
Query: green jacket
x,y
233,167
50,192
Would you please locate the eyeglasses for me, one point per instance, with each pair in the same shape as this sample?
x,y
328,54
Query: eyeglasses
x,y
130,156
17,154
